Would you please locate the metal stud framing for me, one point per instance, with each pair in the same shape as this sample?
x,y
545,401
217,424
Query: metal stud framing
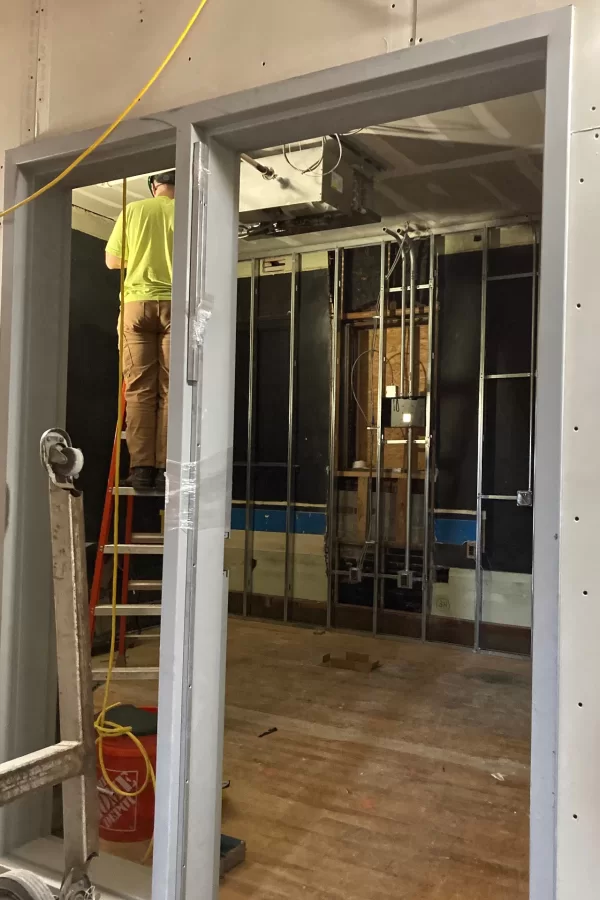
x,y
378,559
290,509
429,451
333,438
248,519
483,378
480,410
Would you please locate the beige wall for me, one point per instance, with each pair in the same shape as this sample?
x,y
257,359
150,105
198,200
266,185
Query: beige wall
x,y
87,59
66,65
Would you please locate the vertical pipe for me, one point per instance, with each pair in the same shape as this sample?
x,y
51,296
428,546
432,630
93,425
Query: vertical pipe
x,y
248,524
480,413
411,392
427,494
377,586
403,319
290,481
345,461
333,462
411,318
533,362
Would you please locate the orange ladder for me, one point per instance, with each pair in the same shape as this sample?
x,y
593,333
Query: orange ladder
x,y
140,543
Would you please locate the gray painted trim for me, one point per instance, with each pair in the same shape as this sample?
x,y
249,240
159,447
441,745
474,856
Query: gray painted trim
x,y
548,467
33,360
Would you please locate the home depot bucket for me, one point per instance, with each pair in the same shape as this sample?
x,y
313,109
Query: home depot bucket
x,y
127,819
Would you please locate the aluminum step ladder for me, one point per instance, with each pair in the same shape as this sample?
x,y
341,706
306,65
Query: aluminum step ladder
x,y
71,762
134,544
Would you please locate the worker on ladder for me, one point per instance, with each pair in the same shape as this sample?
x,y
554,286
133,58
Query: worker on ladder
x,y
147,326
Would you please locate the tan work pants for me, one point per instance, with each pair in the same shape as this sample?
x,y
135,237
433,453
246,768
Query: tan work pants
x,y
146,357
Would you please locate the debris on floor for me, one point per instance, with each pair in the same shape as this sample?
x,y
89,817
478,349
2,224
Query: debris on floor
x,y
268,732
357,662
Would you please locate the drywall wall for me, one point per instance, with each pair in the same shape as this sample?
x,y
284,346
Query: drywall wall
x,y
73,68
67,65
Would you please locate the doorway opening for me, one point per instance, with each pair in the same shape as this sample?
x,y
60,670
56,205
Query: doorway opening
x,y
382,549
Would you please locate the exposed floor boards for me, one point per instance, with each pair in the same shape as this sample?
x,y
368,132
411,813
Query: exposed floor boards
x,y
375,786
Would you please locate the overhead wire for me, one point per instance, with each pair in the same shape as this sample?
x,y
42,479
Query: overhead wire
x,y
312,170
115,124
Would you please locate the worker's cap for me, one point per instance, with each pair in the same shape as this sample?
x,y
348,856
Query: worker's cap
x,y
165,177
162,178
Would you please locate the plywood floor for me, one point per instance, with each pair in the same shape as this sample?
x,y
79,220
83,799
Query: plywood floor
x,y
408,783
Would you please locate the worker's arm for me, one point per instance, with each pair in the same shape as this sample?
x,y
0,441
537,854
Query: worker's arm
x,y
114,248
113,262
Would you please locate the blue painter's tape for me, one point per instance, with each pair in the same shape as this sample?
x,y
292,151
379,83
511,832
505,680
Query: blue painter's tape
x,y
265,518
454,531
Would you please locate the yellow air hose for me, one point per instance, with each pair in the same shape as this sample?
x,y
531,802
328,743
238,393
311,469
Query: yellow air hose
x,y
107,133
104,727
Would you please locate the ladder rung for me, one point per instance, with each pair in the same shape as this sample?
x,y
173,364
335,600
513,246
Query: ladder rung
x,y
145,584
130,609
153,636
126,491
140,549
127,673
145,537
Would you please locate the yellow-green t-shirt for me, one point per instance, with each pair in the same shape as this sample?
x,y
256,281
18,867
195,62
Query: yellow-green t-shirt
x,y
149,248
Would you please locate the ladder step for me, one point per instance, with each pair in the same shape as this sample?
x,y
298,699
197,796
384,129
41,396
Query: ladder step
x,y
130,609
145,584
127,673
145,537
135,638
126,491
140,549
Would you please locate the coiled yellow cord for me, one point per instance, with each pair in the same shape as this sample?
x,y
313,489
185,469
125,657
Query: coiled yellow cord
x,y
104,728
107,133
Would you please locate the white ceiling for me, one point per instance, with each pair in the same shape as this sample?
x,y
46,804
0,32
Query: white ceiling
x,y
465,164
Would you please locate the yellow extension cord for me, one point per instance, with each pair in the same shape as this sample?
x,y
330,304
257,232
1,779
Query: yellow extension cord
x,y
105,728
107,133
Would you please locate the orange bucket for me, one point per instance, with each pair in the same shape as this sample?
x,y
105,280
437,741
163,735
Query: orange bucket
x,y
126,819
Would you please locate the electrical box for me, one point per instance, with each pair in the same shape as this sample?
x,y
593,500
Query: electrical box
x,y
337,187
408,412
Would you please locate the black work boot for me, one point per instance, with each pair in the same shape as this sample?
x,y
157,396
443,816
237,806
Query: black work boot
x,y
142,478
160,481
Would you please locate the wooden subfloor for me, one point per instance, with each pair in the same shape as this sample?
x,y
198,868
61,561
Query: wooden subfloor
x,y
408,783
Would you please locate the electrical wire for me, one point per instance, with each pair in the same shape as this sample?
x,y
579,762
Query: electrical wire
x,y
421,363
397,257
368,350
114,125
105,728
311,171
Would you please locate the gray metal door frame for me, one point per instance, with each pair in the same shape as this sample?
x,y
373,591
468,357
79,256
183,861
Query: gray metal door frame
x,y
491,63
